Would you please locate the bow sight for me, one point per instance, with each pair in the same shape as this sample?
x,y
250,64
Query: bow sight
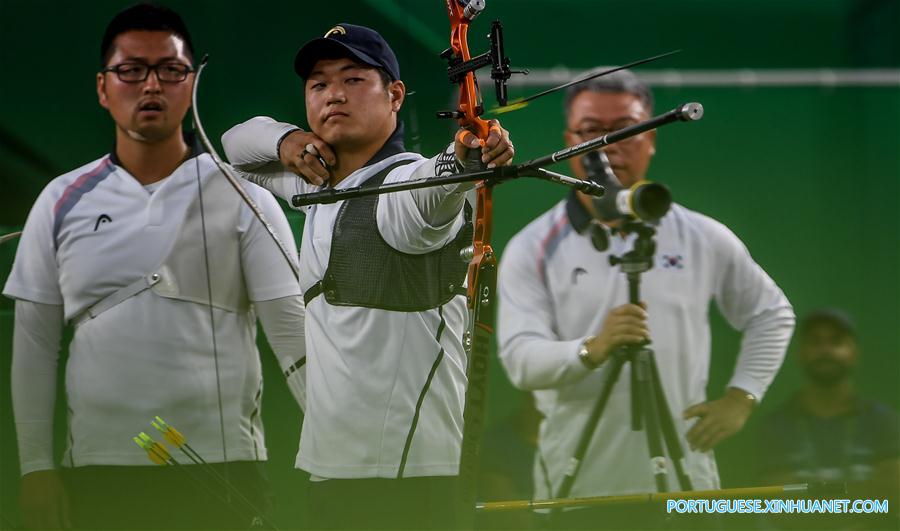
x,y
496,58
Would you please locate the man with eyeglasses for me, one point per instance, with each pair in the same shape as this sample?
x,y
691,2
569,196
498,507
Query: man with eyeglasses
x,y
563,310
161,269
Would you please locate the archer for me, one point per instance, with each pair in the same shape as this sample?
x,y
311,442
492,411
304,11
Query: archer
x,y
384,286
118,248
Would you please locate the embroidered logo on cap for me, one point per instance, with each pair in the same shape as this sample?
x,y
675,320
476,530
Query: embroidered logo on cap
x,y
337,30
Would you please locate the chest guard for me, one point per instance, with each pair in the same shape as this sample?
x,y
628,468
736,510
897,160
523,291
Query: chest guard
x,y
182,275
364,270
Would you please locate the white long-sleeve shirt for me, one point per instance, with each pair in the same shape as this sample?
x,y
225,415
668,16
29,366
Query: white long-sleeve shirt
x,y
36,337
249,146
556,289
385,389
95,230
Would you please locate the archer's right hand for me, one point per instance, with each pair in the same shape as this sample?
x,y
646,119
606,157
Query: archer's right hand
x,y
45,504
301,151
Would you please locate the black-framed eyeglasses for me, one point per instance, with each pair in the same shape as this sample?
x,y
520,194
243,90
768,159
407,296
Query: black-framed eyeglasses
x,y
596,131
139,72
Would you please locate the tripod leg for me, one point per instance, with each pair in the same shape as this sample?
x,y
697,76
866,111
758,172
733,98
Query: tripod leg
x,y
613,369
650,412
637,421
673,443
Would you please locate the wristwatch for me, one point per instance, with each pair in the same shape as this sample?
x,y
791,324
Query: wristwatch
x,y
748,395
584,354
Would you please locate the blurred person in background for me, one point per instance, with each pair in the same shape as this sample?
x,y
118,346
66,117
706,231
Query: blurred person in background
x,y
829,431
562,313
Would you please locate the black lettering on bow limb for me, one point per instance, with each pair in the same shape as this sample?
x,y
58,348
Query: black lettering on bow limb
x,y
476,391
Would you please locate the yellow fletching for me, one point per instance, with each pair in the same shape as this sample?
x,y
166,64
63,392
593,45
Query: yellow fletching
x,y
148,445
161,450
173,436
156,458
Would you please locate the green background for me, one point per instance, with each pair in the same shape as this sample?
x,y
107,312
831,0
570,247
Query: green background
x,y
806,177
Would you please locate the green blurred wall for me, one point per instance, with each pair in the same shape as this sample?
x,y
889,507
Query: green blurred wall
x,y
807,177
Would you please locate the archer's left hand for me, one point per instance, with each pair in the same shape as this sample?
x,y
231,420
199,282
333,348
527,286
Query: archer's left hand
x,y
496,151
719,419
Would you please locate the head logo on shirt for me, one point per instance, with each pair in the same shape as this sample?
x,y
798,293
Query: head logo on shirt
x,y
75,191
672,261
102,218
578,271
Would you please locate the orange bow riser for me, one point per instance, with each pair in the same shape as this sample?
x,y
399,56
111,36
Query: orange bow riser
x,y
482,272
467,115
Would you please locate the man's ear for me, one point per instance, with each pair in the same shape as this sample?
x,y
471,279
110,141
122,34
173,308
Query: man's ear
x,y
652,139
101,91
397,91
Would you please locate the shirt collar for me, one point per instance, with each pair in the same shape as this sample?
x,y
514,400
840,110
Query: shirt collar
x,y
393,146
579,217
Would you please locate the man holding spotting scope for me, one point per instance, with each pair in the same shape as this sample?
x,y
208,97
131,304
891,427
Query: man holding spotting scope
x,y
562,315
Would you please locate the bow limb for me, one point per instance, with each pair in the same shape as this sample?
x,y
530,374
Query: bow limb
x,y
212,318
11,236
235,183
234,179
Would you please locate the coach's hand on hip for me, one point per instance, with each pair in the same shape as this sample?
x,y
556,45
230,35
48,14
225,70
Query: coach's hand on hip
x,y
302,152
718,419
497,150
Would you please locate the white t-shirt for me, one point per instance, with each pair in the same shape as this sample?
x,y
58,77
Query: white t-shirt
x,y
95,230
385,389
556,289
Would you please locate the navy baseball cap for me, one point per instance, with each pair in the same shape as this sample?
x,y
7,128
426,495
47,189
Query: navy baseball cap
x,y
348,40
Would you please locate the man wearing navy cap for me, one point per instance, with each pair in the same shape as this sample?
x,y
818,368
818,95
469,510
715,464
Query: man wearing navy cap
x,y
383,283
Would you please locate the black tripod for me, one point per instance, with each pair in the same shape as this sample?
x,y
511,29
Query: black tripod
x,y
649,409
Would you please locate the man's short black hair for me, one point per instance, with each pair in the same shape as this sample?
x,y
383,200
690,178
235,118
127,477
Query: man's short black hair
x,y
147,17
621,81
385,77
